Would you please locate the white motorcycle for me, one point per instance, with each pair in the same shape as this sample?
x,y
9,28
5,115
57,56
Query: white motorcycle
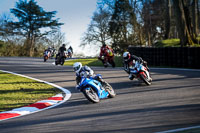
x,y
140,72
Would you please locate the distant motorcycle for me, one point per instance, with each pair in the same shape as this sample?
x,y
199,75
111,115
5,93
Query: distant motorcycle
x,y
93,90
60,58
47,55
108,61
52,54
141,73
69,53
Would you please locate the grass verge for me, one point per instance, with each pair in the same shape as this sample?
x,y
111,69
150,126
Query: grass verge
x,y
174,43
16,91
168,43
94,61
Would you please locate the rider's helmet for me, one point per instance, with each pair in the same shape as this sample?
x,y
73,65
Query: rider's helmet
x,y
77,67
126,55
63,45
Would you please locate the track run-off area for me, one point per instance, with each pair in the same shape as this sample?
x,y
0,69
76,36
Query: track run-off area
x,y
171,102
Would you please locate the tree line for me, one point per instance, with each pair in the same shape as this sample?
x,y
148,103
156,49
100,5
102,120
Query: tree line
x,y
143,22
30,31
119,23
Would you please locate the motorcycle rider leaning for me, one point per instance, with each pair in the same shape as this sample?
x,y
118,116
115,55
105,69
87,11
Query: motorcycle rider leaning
x,y
80,70
128,61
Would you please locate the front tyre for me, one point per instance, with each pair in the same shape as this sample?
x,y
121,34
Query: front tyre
x,y
91,95
144,78
111,61
45,58
110,90
62,61
56,62
113,64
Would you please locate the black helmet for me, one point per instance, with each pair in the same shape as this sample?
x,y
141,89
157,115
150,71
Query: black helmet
x,y
63,45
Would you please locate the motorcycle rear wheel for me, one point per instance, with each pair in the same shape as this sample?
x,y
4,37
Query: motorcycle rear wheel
x,y
91,95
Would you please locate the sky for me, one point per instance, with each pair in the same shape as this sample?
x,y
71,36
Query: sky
x,y
75,14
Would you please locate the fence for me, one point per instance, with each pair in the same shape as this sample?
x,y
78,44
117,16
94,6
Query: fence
x,y
186,57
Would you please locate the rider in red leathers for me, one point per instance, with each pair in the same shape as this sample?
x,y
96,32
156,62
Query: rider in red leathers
x,y
107,54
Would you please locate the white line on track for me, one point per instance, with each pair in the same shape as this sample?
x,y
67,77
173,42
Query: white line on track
x,y
178,130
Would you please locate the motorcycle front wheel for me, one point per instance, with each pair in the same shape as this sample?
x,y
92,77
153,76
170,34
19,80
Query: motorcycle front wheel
x,y
62,61
113,64
110,90
144,78
45,58
91,95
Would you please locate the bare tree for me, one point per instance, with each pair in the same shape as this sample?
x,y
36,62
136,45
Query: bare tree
x,y
55,39
97,32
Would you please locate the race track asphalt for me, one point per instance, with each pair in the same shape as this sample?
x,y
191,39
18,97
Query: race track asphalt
x,y
172,101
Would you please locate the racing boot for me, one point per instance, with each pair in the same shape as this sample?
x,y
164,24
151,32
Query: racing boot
x,y
131,76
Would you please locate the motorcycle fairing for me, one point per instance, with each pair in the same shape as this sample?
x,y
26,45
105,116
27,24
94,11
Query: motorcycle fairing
x,y
101,92
139,68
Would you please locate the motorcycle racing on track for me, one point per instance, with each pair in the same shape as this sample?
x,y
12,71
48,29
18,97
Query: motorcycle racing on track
x,y
93,90
92,86
136,68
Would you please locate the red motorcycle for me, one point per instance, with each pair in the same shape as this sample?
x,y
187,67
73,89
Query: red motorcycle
x,y
107,61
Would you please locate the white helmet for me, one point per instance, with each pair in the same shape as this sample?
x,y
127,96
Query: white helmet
x,y
77,67
126,55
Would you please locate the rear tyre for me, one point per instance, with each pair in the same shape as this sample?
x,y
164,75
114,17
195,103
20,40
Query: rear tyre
x,y
91,95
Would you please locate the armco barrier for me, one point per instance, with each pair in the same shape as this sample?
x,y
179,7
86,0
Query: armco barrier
x,y
185,57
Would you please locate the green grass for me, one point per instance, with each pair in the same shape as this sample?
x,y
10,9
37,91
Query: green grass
x,y
173,43
168,43
16,91
94,62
